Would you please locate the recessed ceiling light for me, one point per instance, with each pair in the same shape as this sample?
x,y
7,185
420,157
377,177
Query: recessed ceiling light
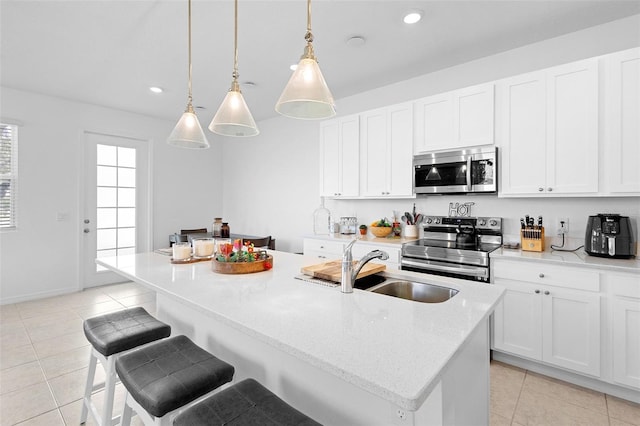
x,y
412,17
156,89
355,41
248,84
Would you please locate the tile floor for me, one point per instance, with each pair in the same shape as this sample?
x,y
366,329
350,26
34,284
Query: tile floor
x,y
44,358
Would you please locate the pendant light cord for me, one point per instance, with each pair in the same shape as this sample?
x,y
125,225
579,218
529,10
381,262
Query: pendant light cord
x,y
189,105
235,43
308,36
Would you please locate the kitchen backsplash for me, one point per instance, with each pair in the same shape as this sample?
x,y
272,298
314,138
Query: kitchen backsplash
x,y
576,210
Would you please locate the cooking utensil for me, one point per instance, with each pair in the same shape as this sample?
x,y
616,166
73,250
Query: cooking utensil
x,y
409,218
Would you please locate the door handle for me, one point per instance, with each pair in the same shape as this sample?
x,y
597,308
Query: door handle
x,y
86,230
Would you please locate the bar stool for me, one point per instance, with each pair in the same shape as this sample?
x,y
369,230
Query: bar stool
x,y
111,334
164,377
245,403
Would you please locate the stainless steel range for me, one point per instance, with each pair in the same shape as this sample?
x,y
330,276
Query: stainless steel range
x,y
454,246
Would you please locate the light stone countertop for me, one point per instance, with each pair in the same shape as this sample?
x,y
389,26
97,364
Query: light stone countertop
x,y
367,239
569,258
394,348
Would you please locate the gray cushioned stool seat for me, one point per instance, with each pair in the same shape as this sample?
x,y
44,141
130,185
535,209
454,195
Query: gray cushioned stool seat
x,y
123,330
168,374
245,403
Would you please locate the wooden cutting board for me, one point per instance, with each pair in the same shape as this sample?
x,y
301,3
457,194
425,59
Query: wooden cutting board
x,y
332,271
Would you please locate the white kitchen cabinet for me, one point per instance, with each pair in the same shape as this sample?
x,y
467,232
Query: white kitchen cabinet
x,y
549,131
340,157
550,314
624,325
622,123
323,249
456,119
387,152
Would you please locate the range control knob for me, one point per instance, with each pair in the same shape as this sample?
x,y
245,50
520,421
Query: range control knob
x,y
437,220
429,220
493,222
482,222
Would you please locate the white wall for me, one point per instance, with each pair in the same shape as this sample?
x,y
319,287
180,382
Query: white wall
x,y
284,203
262,185
42,256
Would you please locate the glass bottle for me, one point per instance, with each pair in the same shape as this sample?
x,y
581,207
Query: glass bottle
x,y
224,230
321,219
217,227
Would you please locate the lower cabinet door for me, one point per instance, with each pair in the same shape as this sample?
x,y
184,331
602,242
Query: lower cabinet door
x,y
571,329
517,327
626,341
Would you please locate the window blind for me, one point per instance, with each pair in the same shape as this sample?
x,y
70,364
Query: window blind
x,y
8,175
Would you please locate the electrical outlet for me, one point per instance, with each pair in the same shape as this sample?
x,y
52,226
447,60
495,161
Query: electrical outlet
x,y
563,226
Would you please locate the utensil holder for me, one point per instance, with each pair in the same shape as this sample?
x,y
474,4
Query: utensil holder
x,y
532,239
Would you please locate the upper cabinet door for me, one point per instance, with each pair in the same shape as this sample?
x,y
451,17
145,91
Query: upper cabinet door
x,y
340,157
473,116
456,119
386,139
375,152
572,131
622,122
400,132
350,157
523,149
434,123
330,158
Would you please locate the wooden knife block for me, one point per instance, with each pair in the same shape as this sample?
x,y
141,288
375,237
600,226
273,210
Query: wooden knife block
x,y
532,239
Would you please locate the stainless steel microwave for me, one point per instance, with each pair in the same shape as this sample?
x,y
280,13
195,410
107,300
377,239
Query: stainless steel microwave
x,y
473,170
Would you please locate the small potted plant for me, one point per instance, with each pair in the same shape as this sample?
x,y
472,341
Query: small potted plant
x,y
363,229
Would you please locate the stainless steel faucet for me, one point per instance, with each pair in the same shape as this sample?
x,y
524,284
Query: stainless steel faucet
x,y
350,272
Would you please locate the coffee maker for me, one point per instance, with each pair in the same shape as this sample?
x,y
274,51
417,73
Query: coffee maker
x,y
610,235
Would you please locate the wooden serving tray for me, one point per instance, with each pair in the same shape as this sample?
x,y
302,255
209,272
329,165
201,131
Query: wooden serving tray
x,y
190,260
242,267
332,271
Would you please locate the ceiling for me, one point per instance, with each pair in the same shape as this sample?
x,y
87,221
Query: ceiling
x,y
109,52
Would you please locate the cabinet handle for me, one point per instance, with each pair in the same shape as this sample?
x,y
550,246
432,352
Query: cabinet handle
x,y
541,275
546,292
540,189
537,291
549,189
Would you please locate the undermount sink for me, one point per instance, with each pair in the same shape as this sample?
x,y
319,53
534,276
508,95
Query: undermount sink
x,y
411,290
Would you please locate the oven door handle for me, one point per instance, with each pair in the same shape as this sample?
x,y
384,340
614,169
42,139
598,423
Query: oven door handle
x,y
458,269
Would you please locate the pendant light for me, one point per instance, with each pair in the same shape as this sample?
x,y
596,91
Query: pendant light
x,y
233,117
306,95
188,133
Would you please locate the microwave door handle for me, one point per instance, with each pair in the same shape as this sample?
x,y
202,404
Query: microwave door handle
x,y
469,183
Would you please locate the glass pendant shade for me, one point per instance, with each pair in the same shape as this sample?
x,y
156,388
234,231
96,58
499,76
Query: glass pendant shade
x,y
233,117
188,133
306,95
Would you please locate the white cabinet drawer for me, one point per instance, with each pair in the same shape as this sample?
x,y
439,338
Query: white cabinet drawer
x,y
553,275
323,248
625,285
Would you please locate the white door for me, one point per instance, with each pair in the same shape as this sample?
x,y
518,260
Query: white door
x,y
115,214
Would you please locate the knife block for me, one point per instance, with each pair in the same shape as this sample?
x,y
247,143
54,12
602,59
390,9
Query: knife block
x,y
532,239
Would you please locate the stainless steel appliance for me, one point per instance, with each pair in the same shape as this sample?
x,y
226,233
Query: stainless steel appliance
x,y
610,235
454,246
471,170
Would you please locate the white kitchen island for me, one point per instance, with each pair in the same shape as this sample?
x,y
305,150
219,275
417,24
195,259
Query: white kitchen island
x,y
343,359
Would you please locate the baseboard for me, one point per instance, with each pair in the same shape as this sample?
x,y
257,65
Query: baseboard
x,y
38,295
576,379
